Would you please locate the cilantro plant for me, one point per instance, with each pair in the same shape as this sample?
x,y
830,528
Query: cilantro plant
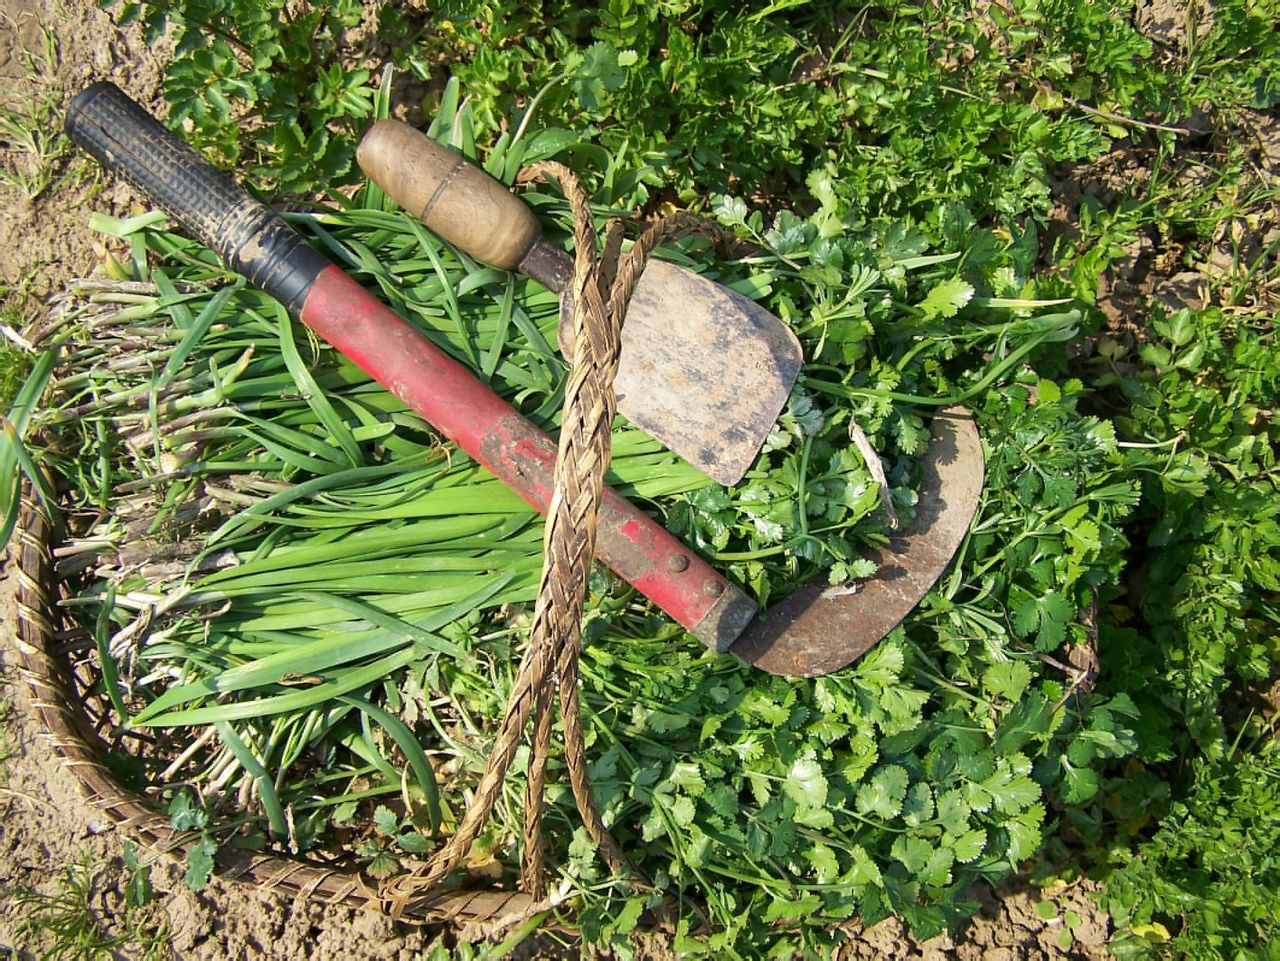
x,y
186,814
1203,450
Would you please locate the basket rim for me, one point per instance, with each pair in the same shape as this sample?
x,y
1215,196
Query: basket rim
x,y
81,751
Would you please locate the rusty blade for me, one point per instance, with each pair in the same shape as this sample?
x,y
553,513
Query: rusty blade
x,y
704,370
820,629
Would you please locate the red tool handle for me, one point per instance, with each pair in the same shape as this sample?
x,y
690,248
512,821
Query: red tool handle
x,y
254,241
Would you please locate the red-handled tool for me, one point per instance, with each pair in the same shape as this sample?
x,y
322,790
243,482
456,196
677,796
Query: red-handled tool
x,y
254,241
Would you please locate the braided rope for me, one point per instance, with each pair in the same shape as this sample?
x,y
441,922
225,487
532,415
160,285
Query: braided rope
x,y
568,544
602,287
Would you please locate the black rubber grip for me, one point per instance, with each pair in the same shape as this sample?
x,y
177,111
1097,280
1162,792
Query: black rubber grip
x,y
249,237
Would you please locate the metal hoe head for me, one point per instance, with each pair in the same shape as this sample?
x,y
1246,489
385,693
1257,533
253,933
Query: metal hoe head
x,y
704,369
820,629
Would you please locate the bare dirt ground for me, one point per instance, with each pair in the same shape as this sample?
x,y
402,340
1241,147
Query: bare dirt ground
x,y
49,50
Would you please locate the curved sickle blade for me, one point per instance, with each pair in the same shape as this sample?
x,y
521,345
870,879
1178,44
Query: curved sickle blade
x,y
820,629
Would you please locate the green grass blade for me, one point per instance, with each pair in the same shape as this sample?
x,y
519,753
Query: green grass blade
x,y
389,622
266,788
312,393
418,762
20,415
39,482
499,343
299,700
309,659
297,440
306,489
196,332
462,338
102,638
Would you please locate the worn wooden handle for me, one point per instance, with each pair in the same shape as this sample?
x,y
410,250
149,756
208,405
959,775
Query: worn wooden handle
x,y
453,197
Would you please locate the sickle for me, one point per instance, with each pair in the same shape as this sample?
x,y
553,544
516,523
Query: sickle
x,y
820,629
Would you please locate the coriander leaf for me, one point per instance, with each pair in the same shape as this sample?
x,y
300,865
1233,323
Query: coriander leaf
x,y
383,865
687,776
184,815
344,812
817,818
912,852
683,811
782,838
695,847
413,843
969,845
828,730
653,826
1008,679
1026,618
582,848
385,821
902,242
598,75
1047,617
1010,792
855,569
782,909
723,800
953,811
865,870
863,753
805,783
730,211
1024,832
825,866
937,869
1081,783
918,807
946,299
884,793
200,863
881,667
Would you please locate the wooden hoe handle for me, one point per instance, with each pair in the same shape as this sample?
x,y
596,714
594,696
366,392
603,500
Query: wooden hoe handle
x,y
455,198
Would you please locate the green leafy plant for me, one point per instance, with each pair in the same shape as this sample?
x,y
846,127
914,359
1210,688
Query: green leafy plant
x,y
266,86
66,923
394,838
889,787
1051,911
1204,446
1205,884
186,815
892,166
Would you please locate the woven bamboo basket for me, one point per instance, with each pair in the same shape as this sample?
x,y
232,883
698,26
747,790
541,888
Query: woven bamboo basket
x,y
59,677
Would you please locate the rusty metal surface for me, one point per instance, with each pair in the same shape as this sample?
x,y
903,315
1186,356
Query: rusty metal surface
x,y
704,370
820,629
